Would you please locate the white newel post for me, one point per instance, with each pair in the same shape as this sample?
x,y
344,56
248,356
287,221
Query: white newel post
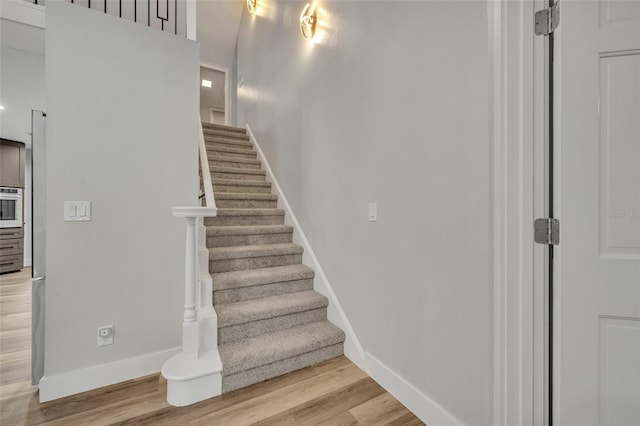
x,y
189,323
195,374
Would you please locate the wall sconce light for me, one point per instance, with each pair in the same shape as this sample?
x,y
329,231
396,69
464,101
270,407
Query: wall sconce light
x,y
308,21
251,5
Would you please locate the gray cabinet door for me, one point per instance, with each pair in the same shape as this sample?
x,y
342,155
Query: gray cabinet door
x,y
12,158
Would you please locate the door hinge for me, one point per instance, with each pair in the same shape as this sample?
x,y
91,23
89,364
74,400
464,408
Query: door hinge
x,y
547,20
547,231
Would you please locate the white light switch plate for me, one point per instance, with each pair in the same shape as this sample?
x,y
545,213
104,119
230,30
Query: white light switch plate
x,y
373,212
77,211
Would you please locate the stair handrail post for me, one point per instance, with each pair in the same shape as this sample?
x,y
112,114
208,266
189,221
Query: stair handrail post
x,y
190,314
190,333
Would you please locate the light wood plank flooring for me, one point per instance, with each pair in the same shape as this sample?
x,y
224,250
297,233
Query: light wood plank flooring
x,y
335,392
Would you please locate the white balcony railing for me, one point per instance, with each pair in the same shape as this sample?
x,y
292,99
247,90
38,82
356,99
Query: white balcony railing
x,y
165,15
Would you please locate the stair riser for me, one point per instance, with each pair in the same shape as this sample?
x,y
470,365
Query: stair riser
x,y
245,204
255,328
248,166
242,189
248,240
240,294
244,220
226,265
246,154
232,143
237,176
265,372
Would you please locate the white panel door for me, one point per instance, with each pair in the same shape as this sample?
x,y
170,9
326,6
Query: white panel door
x,y
597,330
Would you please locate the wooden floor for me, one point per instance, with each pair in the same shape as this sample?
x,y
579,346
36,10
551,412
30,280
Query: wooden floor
x,y
335,392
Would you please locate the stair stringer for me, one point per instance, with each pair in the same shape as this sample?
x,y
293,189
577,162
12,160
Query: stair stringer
x,y
335,314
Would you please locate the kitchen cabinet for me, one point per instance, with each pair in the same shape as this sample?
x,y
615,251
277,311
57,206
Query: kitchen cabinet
x,y
11,249
12,158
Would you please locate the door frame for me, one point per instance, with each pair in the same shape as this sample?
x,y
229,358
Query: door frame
x,y
517,122
224,70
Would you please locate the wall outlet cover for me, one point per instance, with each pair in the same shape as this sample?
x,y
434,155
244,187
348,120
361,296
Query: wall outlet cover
x,y
105,335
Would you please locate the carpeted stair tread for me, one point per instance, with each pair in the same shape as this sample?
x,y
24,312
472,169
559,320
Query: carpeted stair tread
x,y
213,231
241,233
246,217
250,200
245,378
225,134
211,143
221,185
236,170
237,173
229,149
254,277
245,196
223,128
269,348
213,159
213,140
241,252
250,212
239,182
269,307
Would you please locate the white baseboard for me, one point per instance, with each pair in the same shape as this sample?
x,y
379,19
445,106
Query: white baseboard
x,y
420,404
97,376
352,348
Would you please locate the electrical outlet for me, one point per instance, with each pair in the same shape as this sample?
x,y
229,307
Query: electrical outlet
x,y
105,335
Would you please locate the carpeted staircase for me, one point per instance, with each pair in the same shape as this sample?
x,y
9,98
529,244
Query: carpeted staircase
x,y
270,320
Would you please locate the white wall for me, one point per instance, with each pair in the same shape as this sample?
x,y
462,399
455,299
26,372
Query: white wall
x,y
216,29
232,75
214,96
390,103
22,89
122,133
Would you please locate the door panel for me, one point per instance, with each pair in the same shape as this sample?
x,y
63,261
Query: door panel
x,y
619,370
597,268
619,154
